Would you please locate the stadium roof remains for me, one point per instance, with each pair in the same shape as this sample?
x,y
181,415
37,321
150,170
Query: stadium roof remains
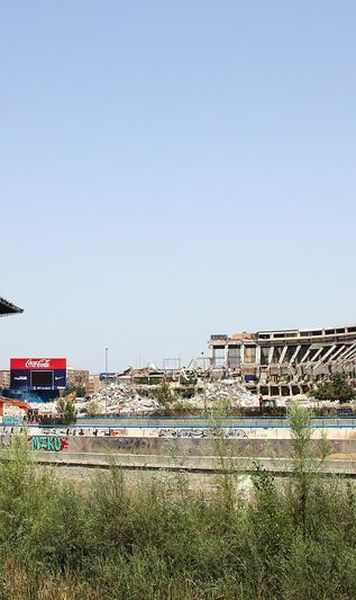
x,y
7,308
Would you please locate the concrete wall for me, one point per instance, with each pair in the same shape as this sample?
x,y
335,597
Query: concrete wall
x,y
191,447
247,442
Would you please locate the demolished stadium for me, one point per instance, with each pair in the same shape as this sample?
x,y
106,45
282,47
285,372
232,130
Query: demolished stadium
x,y
292,356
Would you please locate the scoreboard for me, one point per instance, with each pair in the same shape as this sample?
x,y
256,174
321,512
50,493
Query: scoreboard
x,y
38,373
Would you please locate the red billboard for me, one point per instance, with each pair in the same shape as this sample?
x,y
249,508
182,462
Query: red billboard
x,y
32,364
35,374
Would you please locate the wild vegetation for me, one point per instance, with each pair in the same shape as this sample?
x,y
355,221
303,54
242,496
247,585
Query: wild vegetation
x,y
337,387
294,540
66,409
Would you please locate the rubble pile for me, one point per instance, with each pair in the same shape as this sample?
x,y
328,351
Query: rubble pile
x,y
127,398
124,399
45,408
230,391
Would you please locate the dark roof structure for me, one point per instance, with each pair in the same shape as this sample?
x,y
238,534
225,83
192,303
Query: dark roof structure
x,y
7,308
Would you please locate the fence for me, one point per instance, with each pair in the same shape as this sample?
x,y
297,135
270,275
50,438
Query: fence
x,y
200,421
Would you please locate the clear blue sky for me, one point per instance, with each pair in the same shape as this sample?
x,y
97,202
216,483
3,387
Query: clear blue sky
x,y
171,169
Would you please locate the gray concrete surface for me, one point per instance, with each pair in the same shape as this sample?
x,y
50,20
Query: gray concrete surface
x,y
203,464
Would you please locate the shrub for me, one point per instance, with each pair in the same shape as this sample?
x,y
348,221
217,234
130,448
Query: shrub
x,y
336,387
66,409
158,540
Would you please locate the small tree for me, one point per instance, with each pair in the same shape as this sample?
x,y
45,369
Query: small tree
x,y
164,395
336,388
305,462
66,409
223,451
303,459
92,408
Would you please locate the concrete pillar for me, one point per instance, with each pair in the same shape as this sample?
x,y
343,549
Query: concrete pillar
x,y
330,351
306,355
350,351
258,355
338,352
284,352
242,354
270,355
212,356
226,355
295,355
317,354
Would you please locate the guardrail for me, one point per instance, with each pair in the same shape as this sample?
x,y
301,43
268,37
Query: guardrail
x,y
206,422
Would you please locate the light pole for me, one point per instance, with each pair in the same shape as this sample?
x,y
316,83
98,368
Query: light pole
x,y
106,379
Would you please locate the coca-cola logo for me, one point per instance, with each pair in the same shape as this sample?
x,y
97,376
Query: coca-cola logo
x,y
41,363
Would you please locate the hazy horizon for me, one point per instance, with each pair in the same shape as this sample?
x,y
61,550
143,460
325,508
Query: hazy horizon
x,y
171,170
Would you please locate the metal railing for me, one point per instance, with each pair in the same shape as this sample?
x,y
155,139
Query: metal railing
x,y
207,422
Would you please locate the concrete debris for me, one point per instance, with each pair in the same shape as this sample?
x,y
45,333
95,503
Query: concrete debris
x,y
124,399
45,408
128,398
226,390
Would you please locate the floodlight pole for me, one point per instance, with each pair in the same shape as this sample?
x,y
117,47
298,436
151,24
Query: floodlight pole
x,y
106,373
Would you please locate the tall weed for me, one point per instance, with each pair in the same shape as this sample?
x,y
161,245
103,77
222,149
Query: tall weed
x,y
158,541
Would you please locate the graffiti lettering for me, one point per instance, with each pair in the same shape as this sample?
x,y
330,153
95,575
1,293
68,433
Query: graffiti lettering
x,y
202,433
236,433
177,432
48,442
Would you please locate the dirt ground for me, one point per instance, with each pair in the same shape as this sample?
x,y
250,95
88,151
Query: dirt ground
x,y
197,482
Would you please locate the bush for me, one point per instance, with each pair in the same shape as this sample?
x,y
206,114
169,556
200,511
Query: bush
x,y
92,408
336,387
66,409
159,541
164,395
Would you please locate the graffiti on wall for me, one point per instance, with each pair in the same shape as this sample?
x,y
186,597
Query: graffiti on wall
x,y
238,434
71,431
176,432
56,439
118,432
52,443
